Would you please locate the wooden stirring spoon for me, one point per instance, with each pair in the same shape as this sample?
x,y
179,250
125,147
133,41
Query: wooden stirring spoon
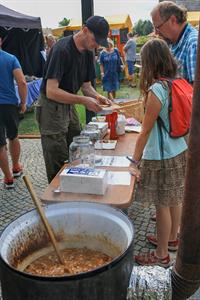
x,y
44,220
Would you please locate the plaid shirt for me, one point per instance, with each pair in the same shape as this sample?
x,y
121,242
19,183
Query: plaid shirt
x,y
185,51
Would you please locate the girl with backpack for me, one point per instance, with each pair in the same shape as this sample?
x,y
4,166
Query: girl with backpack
x,y
159,161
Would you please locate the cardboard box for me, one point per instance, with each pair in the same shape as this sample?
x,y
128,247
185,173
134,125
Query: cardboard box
x,y
83,180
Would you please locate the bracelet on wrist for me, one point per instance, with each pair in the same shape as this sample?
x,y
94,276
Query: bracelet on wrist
x,y
133,161
136,162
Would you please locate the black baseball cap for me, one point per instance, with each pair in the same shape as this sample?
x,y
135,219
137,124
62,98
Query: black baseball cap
x,y
100,28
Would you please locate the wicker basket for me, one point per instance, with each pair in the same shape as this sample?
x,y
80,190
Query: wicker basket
x,y
132,108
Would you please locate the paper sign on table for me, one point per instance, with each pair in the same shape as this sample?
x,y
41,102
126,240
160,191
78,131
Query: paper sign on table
x,y
118,178
114,161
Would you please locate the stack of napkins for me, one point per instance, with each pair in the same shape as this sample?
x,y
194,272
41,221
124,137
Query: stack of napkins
x,y
106,110
99,119
105,144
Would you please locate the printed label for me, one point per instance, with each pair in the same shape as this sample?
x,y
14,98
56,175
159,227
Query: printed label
x,y
83,171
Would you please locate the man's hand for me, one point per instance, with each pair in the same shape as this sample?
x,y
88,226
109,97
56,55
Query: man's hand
x,y
92,104
22,108
89,91
103,100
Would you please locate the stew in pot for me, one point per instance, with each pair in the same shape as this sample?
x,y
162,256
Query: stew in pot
x,y
76,261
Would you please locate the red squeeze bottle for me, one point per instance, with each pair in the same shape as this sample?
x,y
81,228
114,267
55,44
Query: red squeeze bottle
x,y
113,122
108,120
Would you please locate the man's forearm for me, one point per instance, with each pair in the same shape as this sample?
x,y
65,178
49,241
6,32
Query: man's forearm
x,y
61,96
140,144
89,91
22,89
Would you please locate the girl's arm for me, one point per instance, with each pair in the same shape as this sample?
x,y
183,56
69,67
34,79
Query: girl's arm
x,y
102,70
101,61
152,109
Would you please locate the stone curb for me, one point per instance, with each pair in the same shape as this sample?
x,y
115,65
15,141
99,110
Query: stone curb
x,y
29,136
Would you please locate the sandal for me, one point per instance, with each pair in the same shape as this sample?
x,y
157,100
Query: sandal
x,y
153,218
17,171
172,245
151,259
8,183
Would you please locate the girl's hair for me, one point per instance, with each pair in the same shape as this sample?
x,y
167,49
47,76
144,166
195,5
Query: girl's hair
x,y
157,61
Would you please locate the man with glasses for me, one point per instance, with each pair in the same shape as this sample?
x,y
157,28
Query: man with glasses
x,y
170,23
68,68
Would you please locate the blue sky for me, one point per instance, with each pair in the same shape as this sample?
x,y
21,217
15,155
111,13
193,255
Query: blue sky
x,y
53,11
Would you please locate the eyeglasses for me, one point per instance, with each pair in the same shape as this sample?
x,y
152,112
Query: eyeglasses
x,y
159,26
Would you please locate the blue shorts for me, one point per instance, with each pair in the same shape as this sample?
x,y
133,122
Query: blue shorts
x,y
131,67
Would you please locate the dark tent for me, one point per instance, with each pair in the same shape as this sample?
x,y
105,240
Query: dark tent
x,y
22,36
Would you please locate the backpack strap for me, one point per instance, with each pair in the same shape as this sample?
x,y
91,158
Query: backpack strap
x,y
169,84
160,121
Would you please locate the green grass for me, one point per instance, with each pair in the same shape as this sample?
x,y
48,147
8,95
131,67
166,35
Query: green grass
x,y
28,125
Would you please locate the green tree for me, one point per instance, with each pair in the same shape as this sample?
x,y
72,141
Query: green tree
x,y
143,27
147,27
64,22
138,28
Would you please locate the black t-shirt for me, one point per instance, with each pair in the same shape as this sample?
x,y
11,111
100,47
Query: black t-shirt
x,y
69,66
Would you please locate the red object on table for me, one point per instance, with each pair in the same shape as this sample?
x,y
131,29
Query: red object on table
x,y
113,123
108,120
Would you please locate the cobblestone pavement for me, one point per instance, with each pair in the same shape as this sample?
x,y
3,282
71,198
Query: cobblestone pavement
x,y
15,202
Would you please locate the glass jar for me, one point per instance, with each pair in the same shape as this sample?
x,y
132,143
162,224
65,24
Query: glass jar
x,y
82,148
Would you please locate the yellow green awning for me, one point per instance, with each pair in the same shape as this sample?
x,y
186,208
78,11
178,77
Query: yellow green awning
x,y
193,17
115,22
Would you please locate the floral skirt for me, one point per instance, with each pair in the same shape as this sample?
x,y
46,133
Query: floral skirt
x,y
162,181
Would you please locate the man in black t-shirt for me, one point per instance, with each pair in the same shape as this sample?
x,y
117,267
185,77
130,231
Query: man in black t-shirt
x,y
68,68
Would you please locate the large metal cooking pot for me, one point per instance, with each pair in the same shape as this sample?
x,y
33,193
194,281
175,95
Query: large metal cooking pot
x,y
76,224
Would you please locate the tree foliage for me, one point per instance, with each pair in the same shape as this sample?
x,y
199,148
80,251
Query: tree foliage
x,y
143,27
64,22
141,40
